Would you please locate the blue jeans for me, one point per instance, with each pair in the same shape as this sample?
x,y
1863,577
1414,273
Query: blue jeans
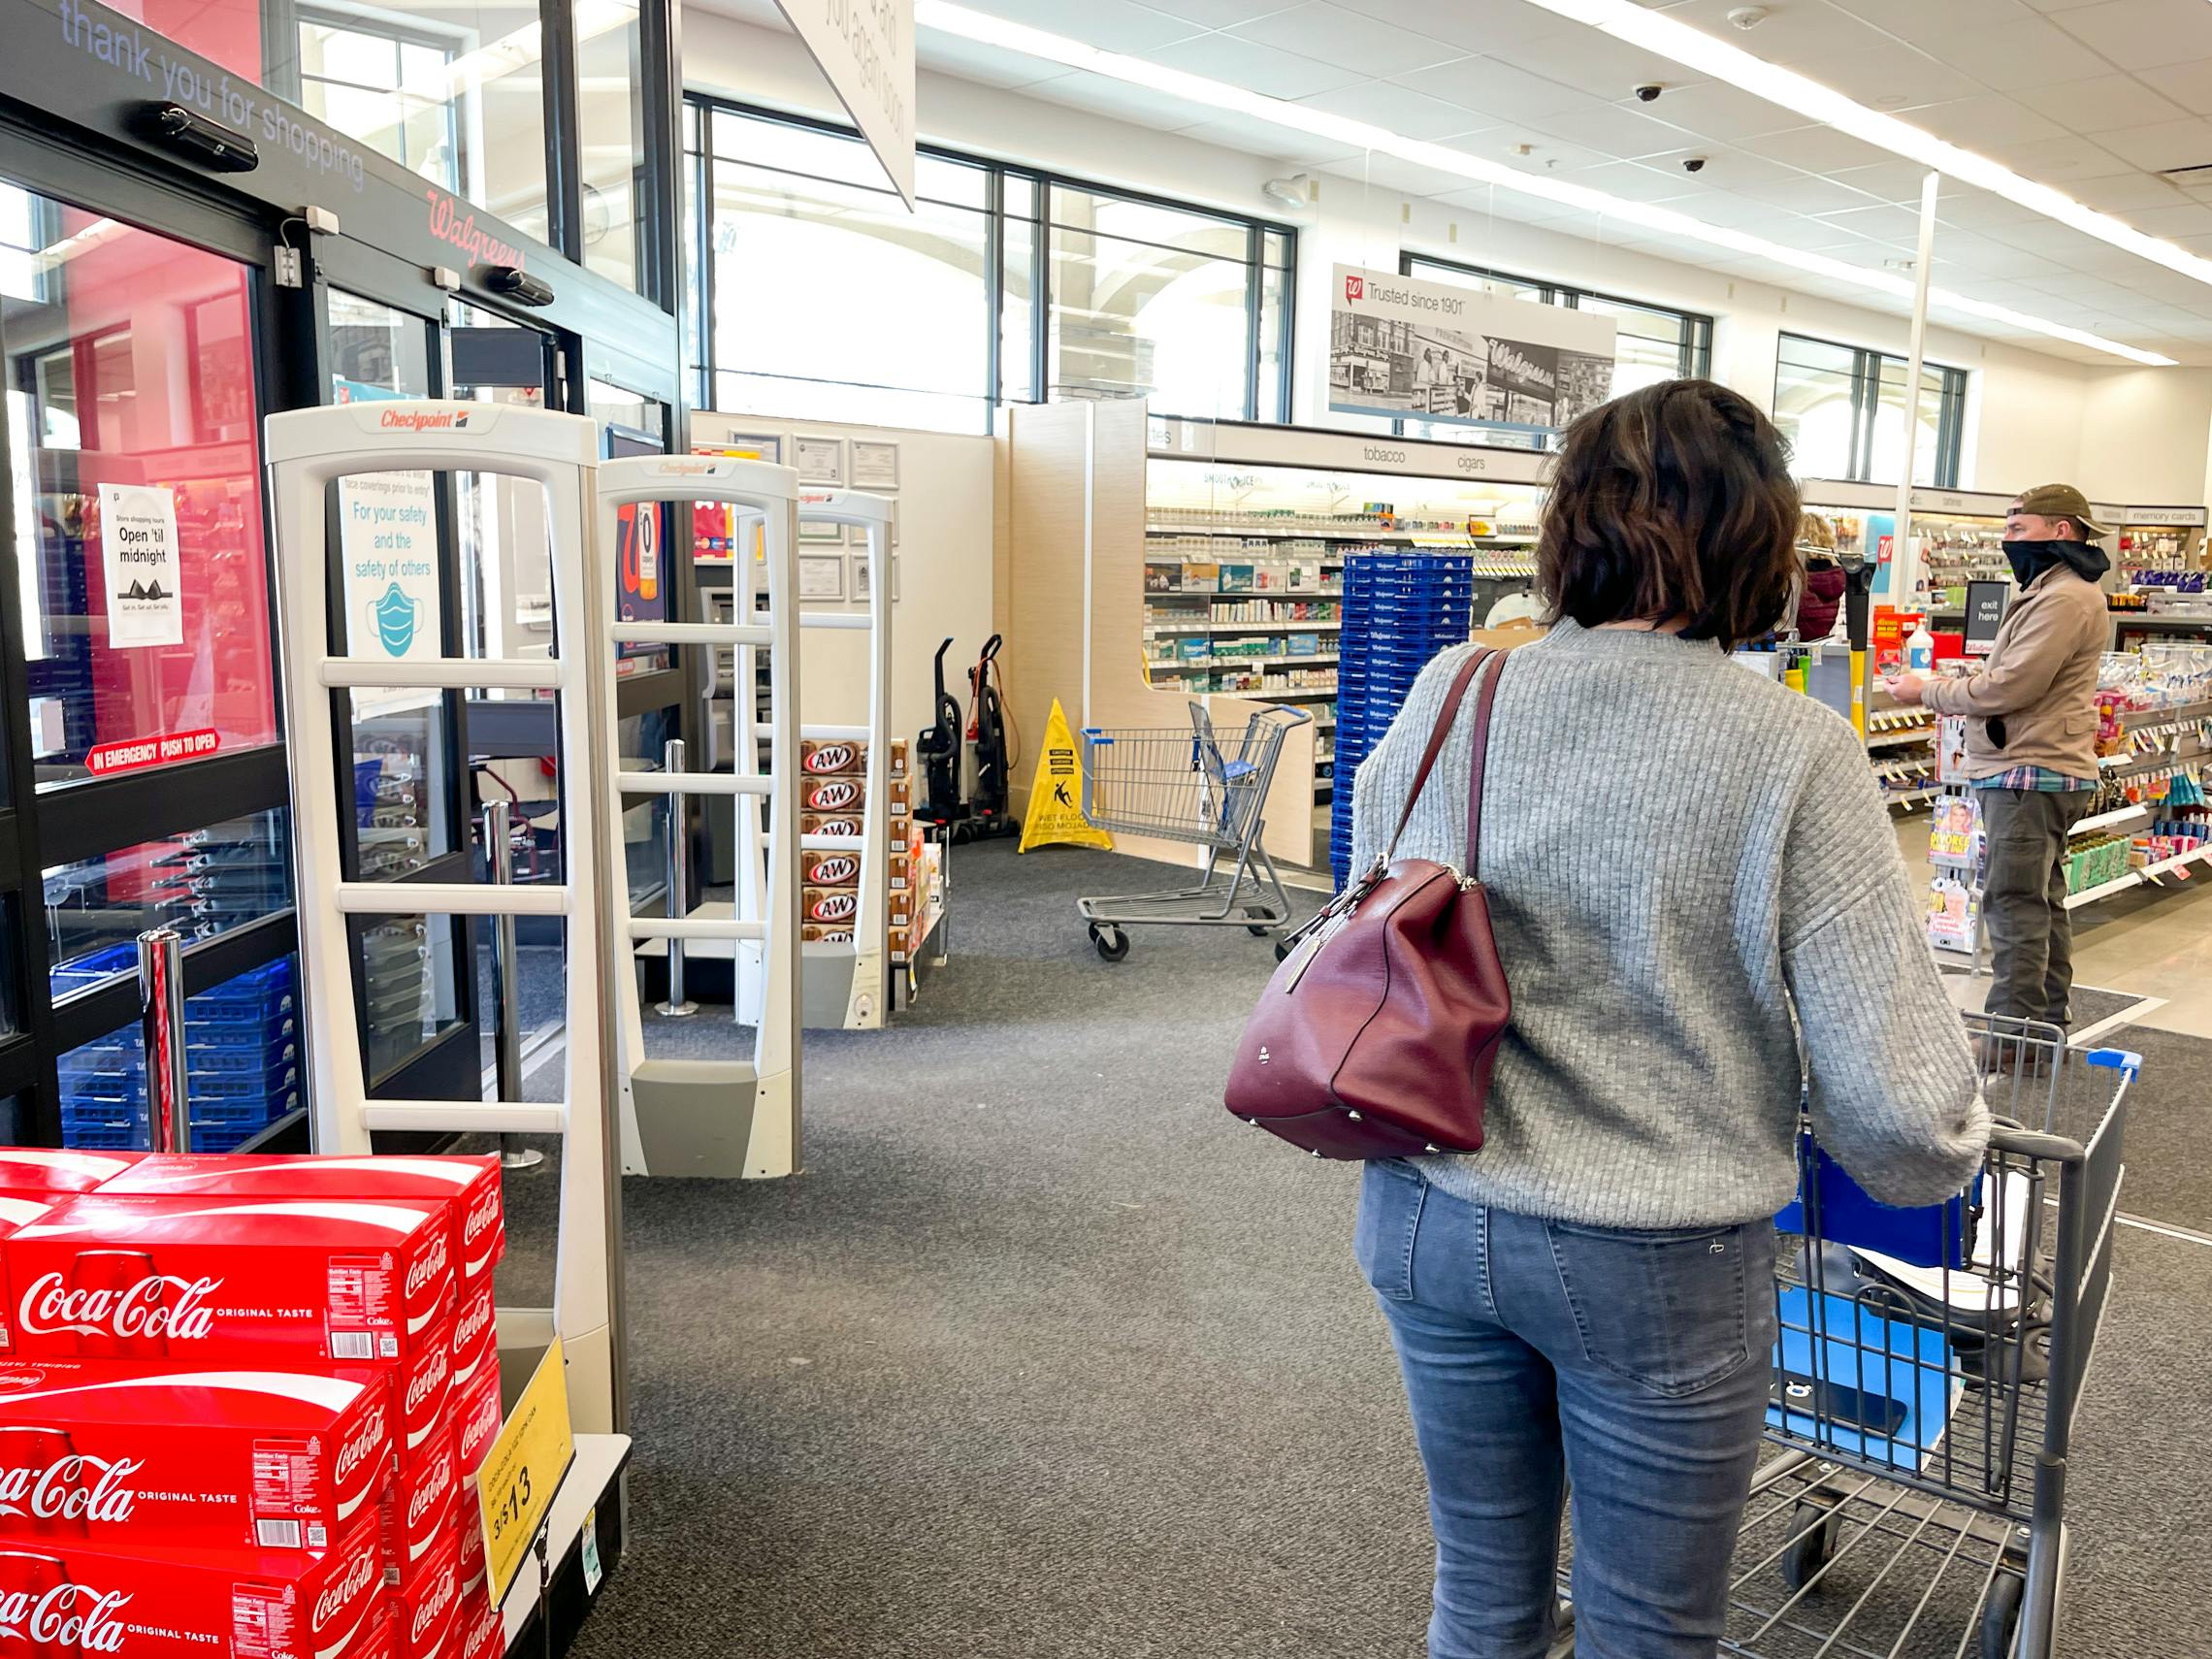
x,y
1632,1365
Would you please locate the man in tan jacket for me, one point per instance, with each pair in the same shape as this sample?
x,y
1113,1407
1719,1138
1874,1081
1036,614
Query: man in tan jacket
x,y
2032,743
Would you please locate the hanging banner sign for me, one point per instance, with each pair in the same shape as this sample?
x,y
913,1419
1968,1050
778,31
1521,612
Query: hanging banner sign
x,y
138,548
865,48
1055,813
132,754
1432,352
388,539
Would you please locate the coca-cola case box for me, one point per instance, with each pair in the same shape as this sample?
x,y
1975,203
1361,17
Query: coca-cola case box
x,y
470,1185
477,1421
121,1457
48,1169
429,1610
18,1210
419,1506
59,1600
221,1278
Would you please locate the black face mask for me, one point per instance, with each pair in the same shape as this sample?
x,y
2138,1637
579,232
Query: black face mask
x,y
2030,559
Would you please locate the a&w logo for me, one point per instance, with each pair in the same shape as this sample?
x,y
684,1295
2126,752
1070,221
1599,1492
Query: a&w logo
x,y
831,758
59,1492
836,869
428,1381
51,1306
430,1495
360,1573
370,1437
65,1619
434,1608
428,1265
832,795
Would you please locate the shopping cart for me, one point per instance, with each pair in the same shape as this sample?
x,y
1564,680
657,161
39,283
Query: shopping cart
x,y
1925,1384
1188,785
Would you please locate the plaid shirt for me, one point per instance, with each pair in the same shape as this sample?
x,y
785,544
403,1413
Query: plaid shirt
x,y
2040,778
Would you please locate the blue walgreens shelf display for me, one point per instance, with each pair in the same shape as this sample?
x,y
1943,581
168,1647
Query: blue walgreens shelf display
x,y
1400,610
241,1058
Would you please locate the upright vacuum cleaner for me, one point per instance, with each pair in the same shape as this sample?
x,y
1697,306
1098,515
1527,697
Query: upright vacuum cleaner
x,y
987,736
937,750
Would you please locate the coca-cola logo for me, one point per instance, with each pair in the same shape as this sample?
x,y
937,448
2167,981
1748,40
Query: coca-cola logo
x,y
481,1426
62,1491
51,1307
66,1618
428,1381
370,1437
484,1215
364,1570
428,1265
434,1608
430,1494
471,1326
836,869
831,758
834,796
833,906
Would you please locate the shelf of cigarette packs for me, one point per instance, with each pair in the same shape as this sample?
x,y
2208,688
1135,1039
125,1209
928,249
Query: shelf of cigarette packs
x,y
2161,556
1400,610
242,1058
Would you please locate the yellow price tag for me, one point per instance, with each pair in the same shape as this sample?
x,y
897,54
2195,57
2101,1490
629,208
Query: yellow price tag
x,y
524,1468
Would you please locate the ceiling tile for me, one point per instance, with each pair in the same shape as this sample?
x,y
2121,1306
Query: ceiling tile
x,y
1802,36
2105,101
2169,144
1141,106
1816,150
2188,85
1894,72
1206,14
1116,26
2006,43
1404,177
1722,209
1256,137
2185,218
1472,26
2141,34
2060,160
1978,209
1885,181
1397,108
1616,132
2126,191
1986,121
1595,62
1820,235
1883,221
1725,114
1807,194
1638,181
990,66
1495,92
1250,64
1333,35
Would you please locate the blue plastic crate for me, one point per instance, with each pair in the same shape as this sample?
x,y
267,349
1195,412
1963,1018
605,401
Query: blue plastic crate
x,y
262,990
88,971
223,1061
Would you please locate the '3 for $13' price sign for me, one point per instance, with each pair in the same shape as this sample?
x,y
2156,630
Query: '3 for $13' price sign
x,y
523,1470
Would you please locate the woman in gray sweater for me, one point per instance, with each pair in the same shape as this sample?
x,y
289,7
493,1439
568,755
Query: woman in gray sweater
x,y
1702,913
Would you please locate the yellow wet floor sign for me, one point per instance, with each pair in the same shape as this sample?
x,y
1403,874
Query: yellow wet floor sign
x,y
1055,814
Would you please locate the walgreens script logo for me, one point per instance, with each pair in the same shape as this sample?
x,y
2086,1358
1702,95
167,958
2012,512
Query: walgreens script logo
x,y
364,1570
59,1492
424,420
428,1265
367,1437
459,232
49,1305
64,1620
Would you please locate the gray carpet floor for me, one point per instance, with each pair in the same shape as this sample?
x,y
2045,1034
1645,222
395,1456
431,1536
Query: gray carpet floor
x,y
1043,1358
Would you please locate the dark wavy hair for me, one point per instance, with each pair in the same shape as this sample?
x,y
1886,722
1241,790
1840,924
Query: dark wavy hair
x,y
1673,501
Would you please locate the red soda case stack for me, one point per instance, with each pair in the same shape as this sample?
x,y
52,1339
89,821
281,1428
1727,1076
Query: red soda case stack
x,y
241,1399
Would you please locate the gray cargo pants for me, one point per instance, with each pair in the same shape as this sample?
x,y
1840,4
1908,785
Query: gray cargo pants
x,y
2023,899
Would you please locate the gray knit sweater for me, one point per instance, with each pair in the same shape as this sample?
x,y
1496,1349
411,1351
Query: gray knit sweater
x,y
1677,852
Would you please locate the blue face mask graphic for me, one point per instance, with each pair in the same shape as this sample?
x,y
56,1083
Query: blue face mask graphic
x,y
396,616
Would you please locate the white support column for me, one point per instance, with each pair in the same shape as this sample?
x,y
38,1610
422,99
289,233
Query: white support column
x,y
1907,567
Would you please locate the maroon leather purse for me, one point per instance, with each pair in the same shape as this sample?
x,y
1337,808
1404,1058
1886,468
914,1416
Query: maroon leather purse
x,y
1377,1034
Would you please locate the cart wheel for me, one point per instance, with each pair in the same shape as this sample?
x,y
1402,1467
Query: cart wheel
x,y
1257,930
1813,1526
1113,944
1281,950
2000,1616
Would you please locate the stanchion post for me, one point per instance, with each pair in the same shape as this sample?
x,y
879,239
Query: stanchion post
x,y
161,1020
679,884
506,983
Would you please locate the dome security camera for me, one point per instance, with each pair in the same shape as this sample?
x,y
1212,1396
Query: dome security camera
x,y
1693,164
1747,16
1649,92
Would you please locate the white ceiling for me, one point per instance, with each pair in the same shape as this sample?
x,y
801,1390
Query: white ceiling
x,y
2091,96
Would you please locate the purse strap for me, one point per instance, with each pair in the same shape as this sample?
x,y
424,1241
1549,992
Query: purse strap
x,y
1446,717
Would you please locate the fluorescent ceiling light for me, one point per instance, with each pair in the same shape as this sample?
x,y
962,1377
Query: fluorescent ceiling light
x,y
987,30
1694,49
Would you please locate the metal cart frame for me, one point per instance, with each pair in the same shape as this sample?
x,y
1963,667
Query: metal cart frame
x,y
1178,784
1986,1326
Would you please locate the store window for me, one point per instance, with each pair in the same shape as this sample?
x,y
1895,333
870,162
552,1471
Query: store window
x,y
202,883
610,124
1843,408
130,374
455,94
1000,286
